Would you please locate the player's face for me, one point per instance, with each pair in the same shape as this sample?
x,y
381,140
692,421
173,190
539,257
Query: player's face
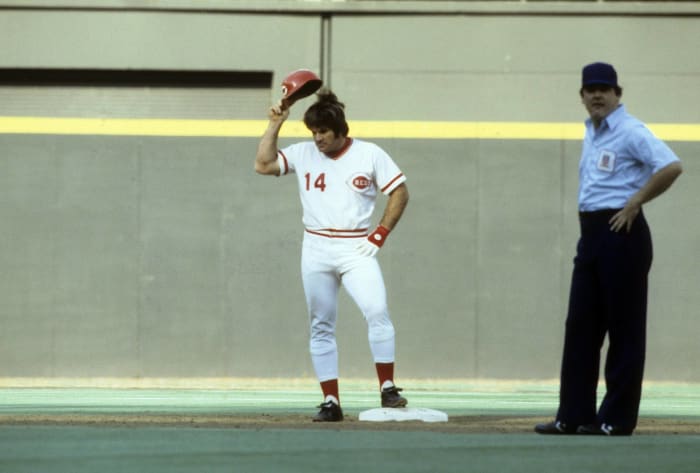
x,y
600,101
326,140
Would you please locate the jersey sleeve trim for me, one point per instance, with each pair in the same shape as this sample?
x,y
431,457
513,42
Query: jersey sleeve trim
x,y
393,184
283,163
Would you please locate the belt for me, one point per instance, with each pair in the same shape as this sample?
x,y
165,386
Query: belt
x,y
596,215
335,233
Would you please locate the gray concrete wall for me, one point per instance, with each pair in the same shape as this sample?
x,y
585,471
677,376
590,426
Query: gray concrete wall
x,y
512,68
153,257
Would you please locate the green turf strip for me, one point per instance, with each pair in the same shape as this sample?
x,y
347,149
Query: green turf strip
x,y
533,400
168,449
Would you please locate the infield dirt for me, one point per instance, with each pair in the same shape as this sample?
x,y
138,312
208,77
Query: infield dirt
x,y
456,424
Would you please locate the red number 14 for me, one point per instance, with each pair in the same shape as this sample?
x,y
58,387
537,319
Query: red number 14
x,y
319,183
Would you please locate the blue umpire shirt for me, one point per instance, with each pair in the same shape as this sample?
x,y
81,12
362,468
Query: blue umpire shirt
x,y
617,160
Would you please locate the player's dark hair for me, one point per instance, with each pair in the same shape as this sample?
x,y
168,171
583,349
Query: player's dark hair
x,y
327,112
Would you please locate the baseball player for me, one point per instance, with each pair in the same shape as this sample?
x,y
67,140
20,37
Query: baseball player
x,y
339,178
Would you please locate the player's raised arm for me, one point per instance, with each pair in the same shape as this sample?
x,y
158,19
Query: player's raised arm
x,y
266,157
297,85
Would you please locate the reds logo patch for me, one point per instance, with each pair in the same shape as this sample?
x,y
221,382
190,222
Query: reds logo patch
x,y
360,182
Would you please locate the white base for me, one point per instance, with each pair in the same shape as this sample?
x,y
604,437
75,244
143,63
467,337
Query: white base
x,y
402,414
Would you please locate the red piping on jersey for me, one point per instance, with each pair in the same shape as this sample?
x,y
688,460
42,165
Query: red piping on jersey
x,y
341,151
334,233
286,165
391,182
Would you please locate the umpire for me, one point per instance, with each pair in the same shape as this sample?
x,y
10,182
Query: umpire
x,y
622,167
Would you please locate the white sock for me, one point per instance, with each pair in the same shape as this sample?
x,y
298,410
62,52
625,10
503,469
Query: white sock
x,y
332,399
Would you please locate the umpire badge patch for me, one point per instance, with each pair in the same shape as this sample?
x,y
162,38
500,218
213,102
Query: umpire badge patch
x,y
360,182
606,161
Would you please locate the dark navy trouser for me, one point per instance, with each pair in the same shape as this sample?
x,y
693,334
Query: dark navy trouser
x,y
608,295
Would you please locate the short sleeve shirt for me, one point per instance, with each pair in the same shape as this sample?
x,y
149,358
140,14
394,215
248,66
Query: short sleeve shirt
x,y
617,160
339,194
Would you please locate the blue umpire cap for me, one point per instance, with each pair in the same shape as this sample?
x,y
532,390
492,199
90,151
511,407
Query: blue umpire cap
x,y
599,73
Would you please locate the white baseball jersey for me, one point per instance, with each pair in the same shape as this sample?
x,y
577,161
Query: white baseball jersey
x,y
338,194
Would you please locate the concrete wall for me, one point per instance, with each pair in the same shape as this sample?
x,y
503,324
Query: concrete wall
x,y
153,256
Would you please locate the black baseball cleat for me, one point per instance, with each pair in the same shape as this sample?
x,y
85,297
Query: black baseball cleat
x,y
602,429
554,428
392,398
330,412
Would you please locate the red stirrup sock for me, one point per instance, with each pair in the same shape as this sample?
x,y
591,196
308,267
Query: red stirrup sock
x,y
385,372
330,388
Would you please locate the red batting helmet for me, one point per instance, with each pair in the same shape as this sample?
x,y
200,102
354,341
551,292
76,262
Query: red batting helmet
x,y
300,84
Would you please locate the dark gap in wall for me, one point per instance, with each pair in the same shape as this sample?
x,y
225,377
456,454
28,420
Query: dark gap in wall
x,y
136,78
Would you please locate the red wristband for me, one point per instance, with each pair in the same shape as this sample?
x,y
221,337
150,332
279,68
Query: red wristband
x,y
378,236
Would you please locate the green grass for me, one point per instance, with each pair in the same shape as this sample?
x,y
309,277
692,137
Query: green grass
x,y
329,449
170,449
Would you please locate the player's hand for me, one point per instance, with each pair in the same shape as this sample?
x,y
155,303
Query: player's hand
x,y
278,112
370,245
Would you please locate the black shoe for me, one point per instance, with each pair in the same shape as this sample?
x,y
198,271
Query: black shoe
x,y
330,412
603,429
554,428
392,398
